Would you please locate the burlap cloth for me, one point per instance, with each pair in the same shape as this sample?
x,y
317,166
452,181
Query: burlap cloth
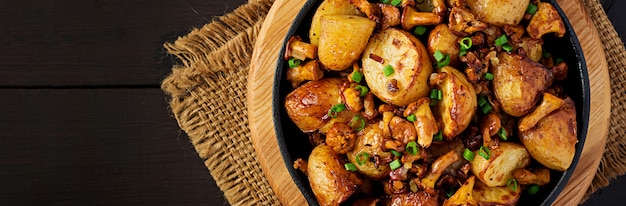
x,y
208,89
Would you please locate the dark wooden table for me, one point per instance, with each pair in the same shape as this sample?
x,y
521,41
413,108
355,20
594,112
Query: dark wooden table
x,y
83,120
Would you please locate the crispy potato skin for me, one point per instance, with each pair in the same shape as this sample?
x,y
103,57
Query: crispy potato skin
x,y
519,82
442,39
503,195
499,12
556,130
308,105
370,140
499,168
342,40
410,61
329,7
459,102
331,182
414,198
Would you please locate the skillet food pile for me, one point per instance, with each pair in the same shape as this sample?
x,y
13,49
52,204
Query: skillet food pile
x,y
430,102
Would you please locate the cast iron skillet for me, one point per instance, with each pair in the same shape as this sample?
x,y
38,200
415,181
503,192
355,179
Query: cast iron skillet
x,y
294,144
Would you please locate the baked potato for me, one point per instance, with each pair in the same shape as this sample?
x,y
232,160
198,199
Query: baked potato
x,y
498,168
458,104
329,7
342,40
407,59
502,195
519,82
442,39
330,181
499,12
370,141
308,105
556,130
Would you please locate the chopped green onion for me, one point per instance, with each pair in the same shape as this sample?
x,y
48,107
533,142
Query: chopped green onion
x,y
336,109
364,90
445,62
484,152
507,47
438,56
384,1
468,154
559,60
531,9
533,190
512,183
419,30
433,93
411,148
501,40
362,157
451,192
503,134
462,53
356,76
482,101
489,76
433,102
350,167
293,62
395,164
396,2
396,153
361,124
486,109
439,95
438,136
411,118
466,43
388,70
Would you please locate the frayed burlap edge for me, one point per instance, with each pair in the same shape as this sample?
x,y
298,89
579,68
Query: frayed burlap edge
x,y
613,161
207,94
207,87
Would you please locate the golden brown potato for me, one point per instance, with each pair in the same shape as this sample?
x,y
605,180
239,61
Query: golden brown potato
x,y
546,20
414,198
409,61
503,195
342,40
459,102
442,39
308,105
499,12
330,181
370,141
519,82
556,130
532,47
329,7
498,169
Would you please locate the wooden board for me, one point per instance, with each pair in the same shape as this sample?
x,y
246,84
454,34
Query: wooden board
x,y
260,82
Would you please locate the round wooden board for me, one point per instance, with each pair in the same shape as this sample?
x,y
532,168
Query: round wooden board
x,y
261,77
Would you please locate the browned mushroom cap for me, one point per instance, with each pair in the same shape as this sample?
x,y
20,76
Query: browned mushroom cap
x,y
370,10
463,22
540,176
412,18
390,16
546,20
307,72
298,49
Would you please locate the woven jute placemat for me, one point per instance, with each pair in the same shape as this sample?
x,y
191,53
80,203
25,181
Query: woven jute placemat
x,y
207,90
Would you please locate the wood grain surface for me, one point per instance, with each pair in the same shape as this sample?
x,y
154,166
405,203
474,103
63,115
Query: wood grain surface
x,y
260,83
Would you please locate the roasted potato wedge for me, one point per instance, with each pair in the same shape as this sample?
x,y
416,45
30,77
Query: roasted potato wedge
x,y
442,39
414,198
498,169
329,7
503,195
519,82
342,40
556,130
409,61
546,20
308,105
459,102
370,141
330,181
499,12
